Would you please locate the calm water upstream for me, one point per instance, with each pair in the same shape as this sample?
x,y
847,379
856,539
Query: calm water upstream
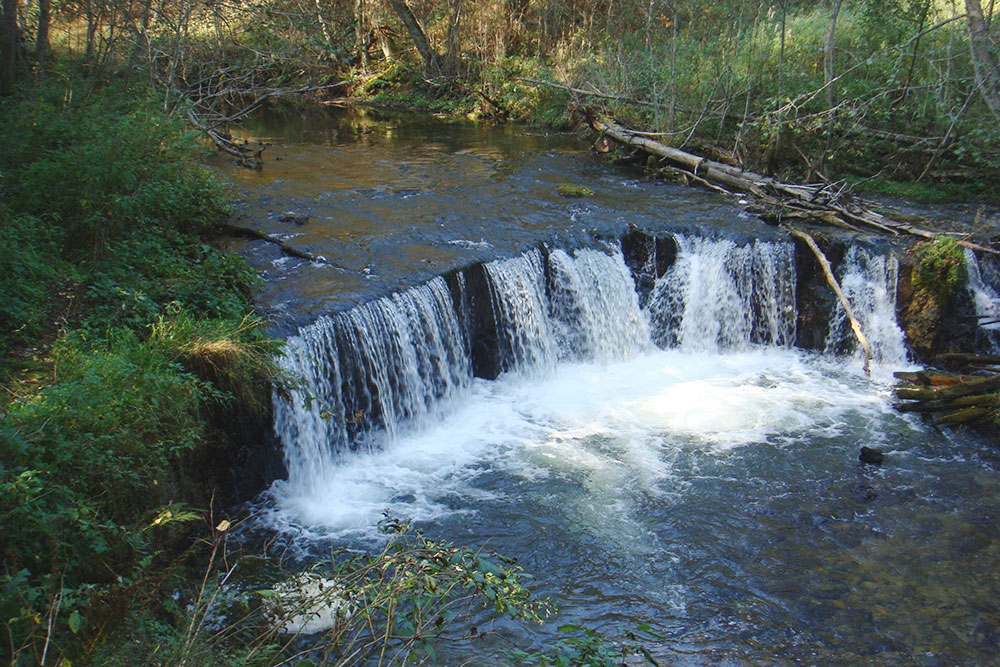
x,y
663,456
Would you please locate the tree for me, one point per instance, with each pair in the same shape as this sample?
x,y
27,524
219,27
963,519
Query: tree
x,y
828,53
42,35
432,61
984,57
8,45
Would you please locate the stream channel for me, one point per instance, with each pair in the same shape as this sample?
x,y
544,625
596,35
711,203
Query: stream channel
x,y
642,432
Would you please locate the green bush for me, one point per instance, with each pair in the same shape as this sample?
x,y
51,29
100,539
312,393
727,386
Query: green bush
x,y
103,207
30,266
102,162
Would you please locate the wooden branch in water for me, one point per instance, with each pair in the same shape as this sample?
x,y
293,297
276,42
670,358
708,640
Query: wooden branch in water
x,y
290,250
247,156
832,281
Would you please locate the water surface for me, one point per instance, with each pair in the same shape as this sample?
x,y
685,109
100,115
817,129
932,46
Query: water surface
x,y
709,488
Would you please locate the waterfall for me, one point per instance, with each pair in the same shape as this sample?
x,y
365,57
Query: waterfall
x,y
982,284
391,366
524,330
719,295
366,372
869,281
370,372
595,307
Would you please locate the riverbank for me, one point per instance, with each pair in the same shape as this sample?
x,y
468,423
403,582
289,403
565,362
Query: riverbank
x,y
129,344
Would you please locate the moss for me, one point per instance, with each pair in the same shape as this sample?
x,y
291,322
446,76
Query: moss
x,y
940,271
570,190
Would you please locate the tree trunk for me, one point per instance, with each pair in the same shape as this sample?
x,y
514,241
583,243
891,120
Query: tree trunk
x,y
828,50
8,45
984,57
42,36
361,34
453,55
432,61
91,29
141,36
324,28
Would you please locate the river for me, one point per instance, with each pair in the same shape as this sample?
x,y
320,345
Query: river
x,y
656,450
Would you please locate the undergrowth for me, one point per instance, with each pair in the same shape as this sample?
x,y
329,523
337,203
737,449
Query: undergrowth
x,y
124,335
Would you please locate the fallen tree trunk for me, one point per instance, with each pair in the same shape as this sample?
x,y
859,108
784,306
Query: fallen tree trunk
x,y
823,203
940,405
290,250
931,379
965,401
832,280
962,416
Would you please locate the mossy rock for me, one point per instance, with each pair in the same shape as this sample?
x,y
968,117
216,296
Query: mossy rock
x,y
941,270
570,190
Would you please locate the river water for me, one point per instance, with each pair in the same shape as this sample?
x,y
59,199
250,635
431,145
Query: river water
x,y
663,456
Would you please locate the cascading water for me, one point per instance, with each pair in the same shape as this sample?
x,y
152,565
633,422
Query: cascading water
x,y
719,295
380,369
524,329
869,281
983,284
652,485
364,374
595,307
376,369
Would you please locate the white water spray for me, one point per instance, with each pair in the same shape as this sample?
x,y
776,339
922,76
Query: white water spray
x,y
869,281
719,295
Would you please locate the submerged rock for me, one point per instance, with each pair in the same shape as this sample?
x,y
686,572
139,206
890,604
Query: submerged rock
x,y
869,455
569,190
294,218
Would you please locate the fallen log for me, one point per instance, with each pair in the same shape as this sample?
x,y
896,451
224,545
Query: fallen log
x,y
286,248
931,379
982,400
822,203
978,386
967,359
832,281
962,416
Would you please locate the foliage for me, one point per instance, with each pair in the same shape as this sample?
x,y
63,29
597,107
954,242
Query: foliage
x,y
393,606
102,163
399,603
585,647
141,337
30,266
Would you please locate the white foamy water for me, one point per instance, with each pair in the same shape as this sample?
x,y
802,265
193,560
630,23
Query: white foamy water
x,y
612,428
869,281
982,286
